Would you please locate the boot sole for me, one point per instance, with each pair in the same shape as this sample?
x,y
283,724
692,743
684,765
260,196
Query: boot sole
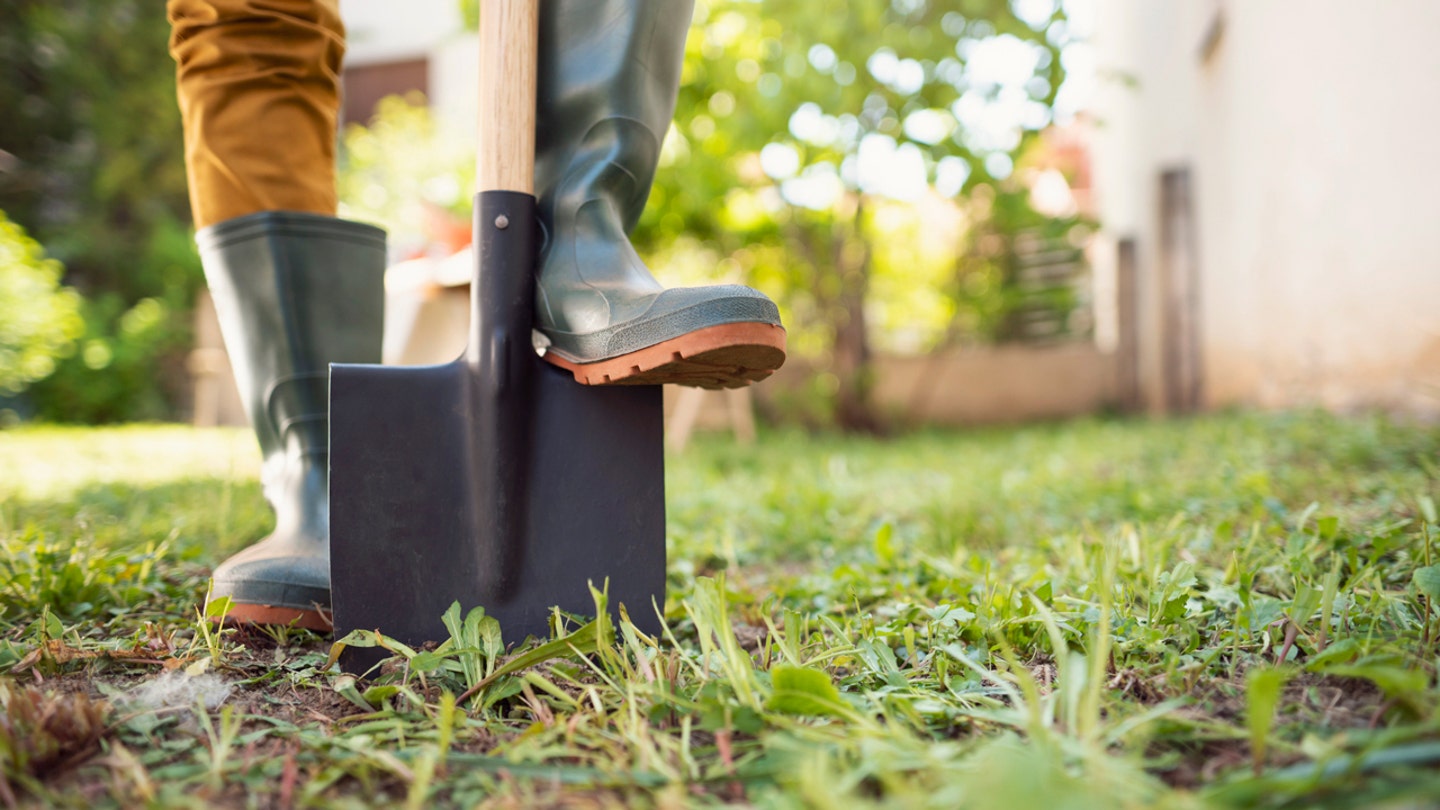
x,y
731,355
241,613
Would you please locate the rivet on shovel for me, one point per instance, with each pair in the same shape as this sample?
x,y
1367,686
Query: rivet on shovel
x,y
502,222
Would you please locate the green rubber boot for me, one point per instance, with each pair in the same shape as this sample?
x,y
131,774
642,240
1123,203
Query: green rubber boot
x,y
294,293
609,72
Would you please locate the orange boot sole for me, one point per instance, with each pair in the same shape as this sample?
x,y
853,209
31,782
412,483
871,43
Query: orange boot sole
x,y
731,355
241,613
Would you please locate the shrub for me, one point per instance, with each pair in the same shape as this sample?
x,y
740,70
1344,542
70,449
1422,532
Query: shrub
x,y
129,367
39,318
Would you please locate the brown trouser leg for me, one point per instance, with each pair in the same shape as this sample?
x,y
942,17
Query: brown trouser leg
x,y
259,88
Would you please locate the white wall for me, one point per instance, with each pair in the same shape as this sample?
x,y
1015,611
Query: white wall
x,y
1311,135
387,30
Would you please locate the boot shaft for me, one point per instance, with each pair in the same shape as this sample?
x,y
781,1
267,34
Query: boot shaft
x,y
609,73
294,292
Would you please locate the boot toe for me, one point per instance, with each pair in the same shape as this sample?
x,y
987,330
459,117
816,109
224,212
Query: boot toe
x,y
710,337
259,576
671,314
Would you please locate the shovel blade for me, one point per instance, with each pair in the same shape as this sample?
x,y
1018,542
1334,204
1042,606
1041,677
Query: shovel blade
x,y
409,465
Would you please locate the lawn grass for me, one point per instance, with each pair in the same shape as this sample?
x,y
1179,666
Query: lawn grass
x,y
1229,611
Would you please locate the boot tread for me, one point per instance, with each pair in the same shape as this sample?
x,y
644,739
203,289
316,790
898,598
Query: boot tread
x,y
731,355
245,613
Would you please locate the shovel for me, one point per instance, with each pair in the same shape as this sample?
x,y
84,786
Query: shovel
x,y
495,480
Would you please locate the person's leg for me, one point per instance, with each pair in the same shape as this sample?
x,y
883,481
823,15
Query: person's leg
x,y
259,90
609,74
295,288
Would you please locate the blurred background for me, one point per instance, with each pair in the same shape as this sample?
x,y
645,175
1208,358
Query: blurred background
x,y
970,211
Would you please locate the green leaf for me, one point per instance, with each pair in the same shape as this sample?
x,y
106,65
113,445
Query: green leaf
x,y
884,548
472,626
583,641
1263,688
367,638
376,695
1305,603
1427,508
1046,592
747,721
490,639
217,608
1395,682
53,628
426,661
501,689
1341,652
446,724
464,642
944,614
357,638
805,691
451,619
344,685
708,609
1427,581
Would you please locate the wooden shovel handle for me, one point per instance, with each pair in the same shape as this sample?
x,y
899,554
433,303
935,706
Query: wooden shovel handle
x,y
509,32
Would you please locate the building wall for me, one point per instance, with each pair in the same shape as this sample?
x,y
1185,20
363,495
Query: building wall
x,y
996,384
386,31
366,85
1309,128
419,45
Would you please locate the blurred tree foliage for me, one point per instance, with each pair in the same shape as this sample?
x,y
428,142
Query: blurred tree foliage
x,y
412,192
987,279
39,319
91,165
789,113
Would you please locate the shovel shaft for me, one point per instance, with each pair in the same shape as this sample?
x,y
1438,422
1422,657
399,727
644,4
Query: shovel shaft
x,y
502,297
509,31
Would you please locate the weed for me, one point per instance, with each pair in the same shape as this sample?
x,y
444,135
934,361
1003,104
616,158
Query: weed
x,y
41,732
